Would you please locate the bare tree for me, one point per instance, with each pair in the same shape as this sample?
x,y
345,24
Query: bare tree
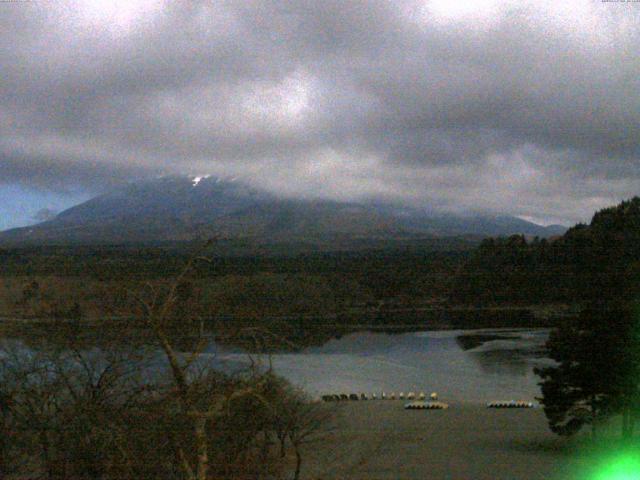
x,y
95,406
309,420
198,403
65,408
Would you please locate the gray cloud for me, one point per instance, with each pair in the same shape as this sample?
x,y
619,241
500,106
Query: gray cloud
x,y
528,108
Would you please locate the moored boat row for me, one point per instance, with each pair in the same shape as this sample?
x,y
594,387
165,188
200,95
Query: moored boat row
x,y
422,405
419,401
383,396
510,404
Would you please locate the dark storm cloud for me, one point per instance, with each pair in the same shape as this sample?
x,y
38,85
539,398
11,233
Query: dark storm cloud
x,y
527,108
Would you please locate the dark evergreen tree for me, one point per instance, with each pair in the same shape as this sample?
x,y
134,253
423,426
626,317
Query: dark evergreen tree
x,y
598,369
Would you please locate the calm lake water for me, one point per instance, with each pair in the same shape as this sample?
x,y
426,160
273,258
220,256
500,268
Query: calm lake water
x,y
461,365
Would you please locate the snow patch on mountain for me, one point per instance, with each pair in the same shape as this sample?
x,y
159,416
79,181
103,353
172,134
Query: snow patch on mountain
x,y
197,180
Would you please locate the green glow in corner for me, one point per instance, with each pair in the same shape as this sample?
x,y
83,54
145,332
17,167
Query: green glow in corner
x,y
623,467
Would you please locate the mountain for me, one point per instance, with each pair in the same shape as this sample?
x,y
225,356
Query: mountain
x,y
179,208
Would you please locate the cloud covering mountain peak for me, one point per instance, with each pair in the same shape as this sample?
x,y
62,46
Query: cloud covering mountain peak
x,y
528,108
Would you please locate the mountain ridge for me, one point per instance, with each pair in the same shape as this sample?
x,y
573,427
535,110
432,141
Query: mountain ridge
x,y
180,208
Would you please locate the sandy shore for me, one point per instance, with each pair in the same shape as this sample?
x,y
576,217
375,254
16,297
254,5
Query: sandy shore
x,y
381,440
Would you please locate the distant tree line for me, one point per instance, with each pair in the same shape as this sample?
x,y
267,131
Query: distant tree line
x,y
251,285
602,258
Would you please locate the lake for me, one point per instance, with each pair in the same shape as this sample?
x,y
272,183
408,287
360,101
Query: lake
x,y
461,365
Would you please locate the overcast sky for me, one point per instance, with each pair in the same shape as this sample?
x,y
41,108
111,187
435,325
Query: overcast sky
x,y
528,108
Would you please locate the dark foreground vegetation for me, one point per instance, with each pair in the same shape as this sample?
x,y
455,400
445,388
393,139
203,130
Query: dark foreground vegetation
x,y
146,406
75,415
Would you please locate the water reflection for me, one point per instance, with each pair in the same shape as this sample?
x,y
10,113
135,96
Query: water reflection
x,y
473,340
498,367
502,362
461,365
507,353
